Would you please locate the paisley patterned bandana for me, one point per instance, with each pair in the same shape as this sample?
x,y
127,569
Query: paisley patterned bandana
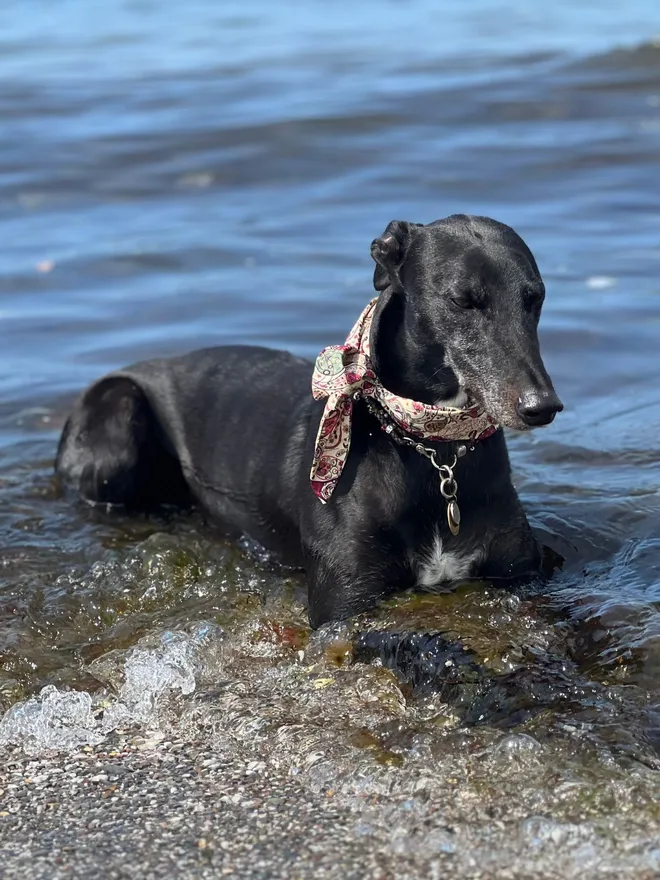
x,y
340,371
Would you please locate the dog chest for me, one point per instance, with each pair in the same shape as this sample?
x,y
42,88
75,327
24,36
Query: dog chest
x,y
436,563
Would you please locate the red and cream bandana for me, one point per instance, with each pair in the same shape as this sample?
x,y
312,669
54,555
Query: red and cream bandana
x,y
340,371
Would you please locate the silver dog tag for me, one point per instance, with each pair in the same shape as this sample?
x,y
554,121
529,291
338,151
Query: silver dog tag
x,y
454,517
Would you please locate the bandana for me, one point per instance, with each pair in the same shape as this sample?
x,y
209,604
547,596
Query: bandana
x,y
339,372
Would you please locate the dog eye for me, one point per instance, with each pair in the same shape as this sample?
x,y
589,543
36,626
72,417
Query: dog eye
x,y
533,298
467,301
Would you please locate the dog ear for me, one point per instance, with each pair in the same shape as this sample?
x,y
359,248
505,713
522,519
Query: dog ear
x,y
389,252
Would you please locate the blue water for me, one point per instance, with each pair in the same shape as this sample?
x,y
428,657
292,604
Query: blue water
x,y
179,163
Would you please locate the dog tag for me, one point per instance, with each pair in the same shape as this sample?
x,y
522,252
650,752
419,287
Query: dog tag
x,y
454,517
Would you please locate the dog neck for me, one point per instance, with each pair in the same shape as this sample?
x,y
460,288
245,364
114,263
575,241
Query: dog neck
x,y
406,368
345,373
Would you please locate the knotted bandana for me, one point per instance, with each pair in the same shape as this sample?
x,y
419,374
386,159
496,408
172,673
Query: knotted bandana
x,y
340,371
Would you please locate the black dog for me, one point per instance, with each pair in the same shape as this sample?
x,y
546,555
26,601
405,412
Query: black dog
x,y
234,428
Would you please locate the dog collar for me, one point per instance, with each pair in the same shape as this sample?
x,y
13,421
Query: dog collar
x,y
343,372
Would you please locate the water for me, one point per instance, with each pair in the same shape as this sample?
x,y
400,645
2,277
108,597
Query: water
x,y
177,176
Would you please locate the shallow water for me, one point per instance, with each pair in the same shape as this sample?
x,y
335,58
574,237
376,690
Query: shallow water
x,y
172,178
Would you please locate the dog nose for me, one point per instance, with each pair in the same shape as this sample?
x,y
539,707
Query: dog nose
x,y
538,408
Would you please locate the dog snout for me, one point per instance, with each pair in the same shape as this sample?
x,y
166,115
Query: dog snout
x,y
537,408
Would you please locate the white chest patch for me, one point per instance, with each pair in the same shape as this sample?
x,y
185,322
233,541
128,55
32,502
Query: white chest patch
x,y
438,565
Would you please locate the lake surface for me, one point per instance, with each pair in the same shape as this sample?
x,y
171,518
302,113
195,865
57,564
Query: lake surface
x,y
174,176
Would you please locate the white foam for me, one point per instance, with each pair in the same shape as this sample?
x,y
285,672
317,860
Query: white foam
x,y
148,675
57,720
600,282
60,720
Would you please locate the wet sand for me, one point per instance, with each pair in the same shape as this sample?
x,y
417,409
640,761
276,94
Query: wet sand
x,y
145,809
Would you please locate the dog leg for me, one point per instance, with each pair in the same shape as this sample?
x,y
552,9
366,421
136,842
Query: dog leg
x,y
334,593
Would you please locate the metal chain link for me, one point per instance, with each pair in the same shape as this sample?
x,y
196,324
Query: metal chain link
x,y
446,470
448,483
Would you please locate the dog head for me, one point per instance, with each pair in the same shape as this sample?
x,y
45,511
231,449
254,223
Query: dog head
x,y
457,318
